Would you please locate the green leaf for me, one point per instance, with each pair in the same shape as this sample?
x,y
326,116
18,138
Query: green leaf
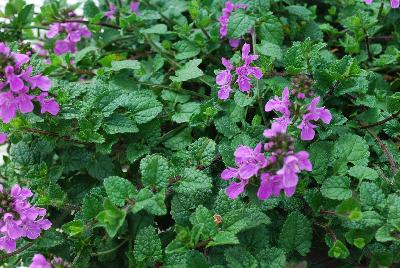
x,y
296,234
300,11
111,218
336,188
236,221
119,123
274,257
271,30
238,257
184,111
320,153
350,149
270,49
188,71
384,234
393,204
119,190
223,238
92,204
239,24
363,173
203,151
155,29
153,203
90,9
134,151
25,16
155,171
186,50
147,248
193,181
371,196
73,228
125,64
393,102
338,250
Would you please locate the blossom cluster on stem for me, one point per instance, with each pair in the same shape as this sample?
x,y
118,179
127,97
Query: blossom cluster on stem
x,y
276,172
308,113
19,219
243,74
18,86
224,20
40,261
393,3
74,32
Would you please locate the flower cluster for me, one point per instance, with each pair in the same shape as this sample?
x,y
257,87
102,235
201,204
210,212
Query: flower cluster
x,y
393,3
39,261
74,33
17,85
306,112
278,171
111,12
134,7
243,73
19,218
224,20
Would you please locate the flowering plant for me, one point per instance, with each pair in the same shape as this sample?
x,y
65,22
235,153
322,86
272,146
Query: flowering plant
x,y
199,133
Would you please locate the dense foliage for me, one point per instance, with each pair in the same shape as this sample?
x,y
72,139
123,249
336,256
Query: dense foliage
x,y
200,133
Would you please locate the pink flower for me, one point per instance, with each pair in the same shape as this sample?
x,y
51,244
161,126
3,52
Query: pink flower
x,y
249,162
224,79
39,261
226,13
269,186
280,105
48,105
293,164
314,114
393,3
134,7
110,13
246,70
3,138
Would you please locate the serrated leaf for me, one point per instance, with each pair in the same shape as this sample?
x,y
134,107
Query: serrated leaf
x,y
192,181
239,24
296,234
203,151
153,203
184,111
371,196
111,218
147,247
363,173
125,64
186,49
188,71
119,123
336,188
155,171
338,250
155,29
119,190
238,257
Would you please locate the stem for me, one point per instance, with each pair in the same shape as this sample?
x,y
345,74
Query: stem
x,y
52,134
172,132
384,148
17,251
205,32
367,44
380,11
393,116
110,250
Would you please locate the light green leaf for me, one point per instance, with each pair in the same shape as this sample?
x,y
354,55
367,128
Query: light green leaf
x,y
155,29
362,173
111,218
188,71
119,123
203,151
186,50
119,190
371,196
147,247
125,64
153,203
155,171
336,188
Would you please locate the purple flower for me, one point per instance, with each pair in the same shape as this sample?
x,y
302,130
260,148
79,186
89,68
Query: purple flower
x,y
8,106
234,42
314,114
278,127
224,79
246,70
48,105
280,105
39,261
293,164
249,162
226,13
3,138
269,186
19,218
393,3
75,31
134,7
110,13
